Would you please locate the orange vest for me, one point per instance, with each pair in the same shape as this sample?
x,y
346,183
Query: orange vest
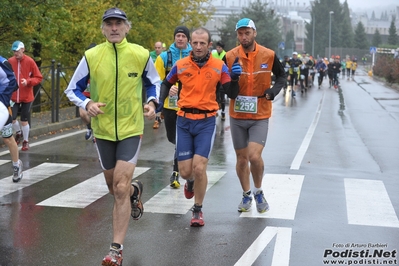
x,y
198,86
254,80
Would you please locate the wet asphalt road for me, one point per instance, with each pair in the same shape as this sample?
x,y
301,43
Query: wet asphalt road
x,y
331,178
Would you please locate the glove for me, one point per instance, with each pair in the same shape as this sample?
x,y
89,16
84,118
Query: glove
x,y
236,70
269,94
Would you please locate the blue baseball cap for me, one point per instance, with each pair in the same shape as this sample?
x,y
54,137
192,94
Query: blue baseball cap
x,y
114,12
245,23
17,45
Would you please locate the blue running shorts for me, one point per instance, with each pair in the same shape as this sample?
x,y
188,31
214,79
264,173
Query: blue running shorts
x,y
194,137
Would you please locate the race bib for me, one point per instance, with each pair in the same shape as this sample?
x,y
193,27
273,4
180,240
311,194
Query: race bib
x,y
173,101
296,69
246,104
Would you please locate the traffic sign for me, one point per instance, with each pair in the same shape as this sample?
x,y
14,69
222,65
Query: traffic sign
x,y
281,45
373,50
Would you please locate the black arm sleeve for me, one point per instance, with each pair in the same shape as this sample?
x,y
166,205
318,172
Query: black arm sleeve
x,y
279,73
231,89
165,88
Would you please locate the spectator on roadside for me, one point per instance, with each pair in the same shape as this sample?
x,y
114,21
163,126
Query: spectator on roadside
x,y
179,49
249,126
28,75
220,53
199,75
8,85
117,70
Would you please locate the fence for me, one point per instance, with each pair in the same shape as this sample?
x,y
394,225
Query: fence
x,y
49,94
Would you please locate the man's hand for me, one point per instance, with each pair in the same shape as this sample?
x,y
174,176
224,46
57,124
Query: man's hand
x,y
149,110
236,70
93,108
24,82
269,94
173,90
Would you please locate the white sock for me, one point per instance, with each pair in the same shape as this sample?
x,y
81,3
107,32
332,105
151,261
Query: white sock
x,y
16,126
25,132
255,190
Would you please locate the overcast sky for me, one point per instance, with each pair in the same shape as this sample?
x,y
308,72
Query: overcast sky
x,y
355,5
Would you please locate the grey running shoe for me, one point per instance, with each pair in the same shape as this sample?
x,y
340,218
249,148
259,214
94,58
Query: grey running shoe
x,y
245,203
17,172
261,203
135,199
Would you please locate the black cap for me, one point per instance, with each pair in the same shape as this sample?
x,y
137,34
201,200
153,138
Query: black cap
x,y
114,12
182,29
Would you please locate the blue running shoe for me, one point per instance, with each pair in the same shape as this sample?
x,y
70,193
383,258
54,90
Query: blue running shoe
x,y
261,203
245,204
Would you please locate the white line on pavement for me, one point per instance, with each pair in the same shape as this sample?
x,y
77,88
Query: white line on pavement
x,y
281,254
368,203
84,193
32,176
282,193
4,161
48,140
170,200
296,163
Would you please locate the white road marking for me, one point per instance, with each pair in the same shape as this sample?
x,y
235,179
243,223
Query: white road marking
x,y
84,193
47,140
296,163
282,193
368,203
173,201
4,162
32,176
281,254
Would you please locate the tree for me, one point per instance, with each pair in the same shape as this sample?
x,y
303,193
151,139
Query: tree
x,y
347,34
290,40
62,29
360,37
373,16
376,38
266,22
393,36
320,14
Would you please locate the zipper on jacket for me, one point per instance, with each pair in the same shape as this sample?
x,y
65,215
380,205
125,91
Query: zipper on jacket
x,y
116,92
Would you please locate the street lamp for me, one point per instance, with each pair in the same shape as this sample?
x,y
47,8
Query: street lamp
x,y
329,39
313,36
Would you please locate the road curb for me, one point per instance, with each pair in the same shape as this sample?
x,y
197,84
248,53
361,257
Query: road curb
x,y
45,129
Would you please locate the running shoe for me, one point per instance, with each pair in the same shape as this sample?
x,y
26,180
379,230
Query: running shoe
x,y
18,137
25,145
135,199
113,258
17,172
156,124
197,218
261,203
88,134
246,203
189,189
174,180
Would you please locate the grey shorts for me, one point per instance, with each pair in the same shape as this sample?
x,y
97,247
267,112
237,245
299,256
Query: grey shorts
x,y
244,131
111,151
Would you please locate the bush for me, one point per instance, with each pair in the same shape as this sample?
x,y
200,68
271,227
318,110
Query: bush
x,y
388,68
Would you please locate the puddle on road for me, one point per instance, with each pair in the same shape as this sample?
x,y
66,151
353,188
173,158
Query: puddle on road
x,y
341,105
